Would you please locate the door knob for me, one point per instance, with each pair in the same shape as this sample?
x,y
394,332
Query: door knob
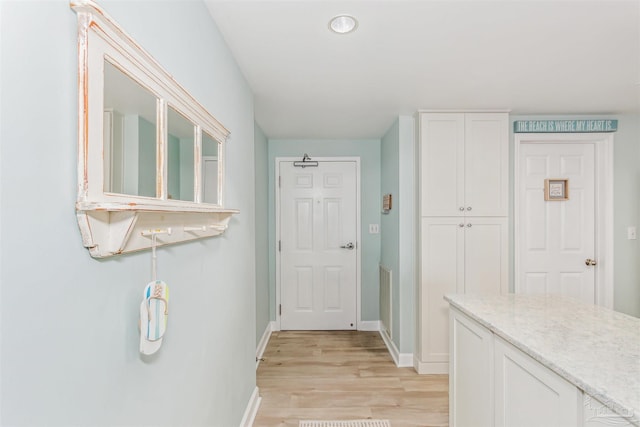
x,y
349,246
590,261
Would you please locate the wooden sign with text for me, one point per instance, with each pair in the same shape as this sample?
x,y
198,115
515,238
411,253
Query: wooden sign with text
x,y
564,126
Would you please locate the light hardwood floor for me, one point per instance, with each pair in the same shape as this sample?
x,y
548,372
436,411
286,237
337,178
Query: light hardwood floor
x,y
344,375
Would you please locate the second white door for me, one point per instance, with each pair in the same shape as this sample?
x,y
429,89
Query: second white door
x,y
318,247
557,238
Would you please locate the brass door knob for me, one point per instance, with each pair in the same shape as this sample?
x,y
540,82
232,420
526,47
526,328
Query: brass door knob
x,y
590,261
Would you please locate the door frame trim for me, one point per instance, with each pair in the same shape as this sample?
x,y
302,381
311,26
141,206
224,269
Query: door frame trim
x,y
603,143
355,160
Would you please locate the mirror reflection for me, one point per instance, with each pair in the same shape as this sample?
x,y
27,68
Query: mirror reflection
x,y
130,144
209,169
180,156
129,135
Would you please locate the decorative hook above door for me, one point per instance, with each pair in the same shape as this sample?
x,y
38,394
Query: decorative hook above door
x,y
306,162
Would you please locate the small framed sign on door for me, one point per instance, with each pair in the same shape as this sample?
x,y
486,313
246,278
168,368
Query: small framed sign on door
x,y
556,189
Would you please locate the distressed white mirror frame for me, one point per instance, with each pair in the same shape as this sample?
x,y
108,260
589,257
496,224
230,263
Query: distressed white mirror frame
x,y
112,223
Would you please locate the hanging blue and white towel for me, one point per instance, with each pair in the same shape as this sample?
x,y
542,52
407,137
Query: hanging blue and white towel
x,y
154,312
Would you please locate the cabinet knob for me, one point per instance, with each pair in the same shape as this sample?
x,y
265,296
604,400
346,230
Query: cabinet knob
x,y
461,225
461,208
469,208
469,225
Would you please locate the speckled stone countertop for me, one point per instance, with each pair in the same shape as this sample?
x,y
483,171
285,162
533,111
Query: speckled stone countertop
x,y
595,348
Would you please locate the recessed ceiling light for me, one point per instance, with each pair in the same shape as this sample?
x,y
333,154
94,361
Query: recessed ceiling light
x,y
343,24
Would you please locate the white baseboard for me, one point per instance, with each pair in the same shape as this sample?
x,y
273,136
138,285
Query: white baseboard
x,y
262,345
369,325
252,409
405,360
427,368
274,326
402,360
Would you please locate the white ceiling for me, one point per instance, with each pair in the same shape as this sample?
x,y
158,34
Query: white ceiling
x,y
529,56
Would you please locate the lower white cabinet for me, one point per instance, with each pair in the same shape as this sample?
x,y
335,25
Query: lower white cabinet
x,y
457,255
527,394
471,378
493,383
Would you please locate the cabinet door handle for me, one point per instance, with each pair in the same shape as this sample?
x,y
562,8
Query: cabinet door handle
x,y
461,225
469,225
461,208
469,208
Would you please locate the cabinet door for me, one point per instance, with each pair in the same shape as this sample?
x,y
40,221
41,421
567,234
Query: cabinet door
x,y
528,394
486,183
442,272
470,373
442,164
486,255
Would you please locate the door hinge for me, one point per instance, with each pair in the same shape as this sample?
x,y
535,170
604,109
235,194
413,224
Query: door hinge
x,y
280,309
279,245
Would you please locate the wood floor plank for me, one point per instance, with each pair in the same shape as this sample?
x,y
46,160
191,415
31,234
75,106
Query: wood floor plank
x,y
344,375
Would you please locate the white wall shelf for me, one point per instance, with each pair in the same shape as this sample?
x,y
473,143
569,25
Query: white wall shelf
x,y
112,232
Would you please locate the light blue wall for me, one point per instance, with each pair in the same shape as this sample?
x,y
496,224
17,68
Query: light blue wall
x,y
263,312
369,153
407,229
626,195
398,226
69,352
390,222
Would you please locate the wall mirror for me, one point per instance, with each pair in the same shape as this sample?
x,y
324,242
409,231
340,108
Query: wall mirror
x,y
129,135
150,156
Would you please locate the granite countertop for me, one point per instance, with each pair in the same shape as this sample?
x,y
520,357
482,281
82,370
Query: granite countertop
x,y
594,348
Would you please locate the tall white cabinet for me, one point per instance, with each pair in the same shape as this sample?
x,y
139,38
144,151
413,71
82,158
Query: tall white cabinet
x,y
463,238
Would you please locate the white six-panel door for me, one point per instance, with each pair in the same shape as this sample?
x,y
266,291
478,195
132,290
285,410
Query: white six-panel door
x,y
318,249
557,237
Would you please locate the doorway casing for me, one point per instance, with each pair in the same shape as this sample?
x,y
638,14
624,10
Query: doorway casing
x,y
603,143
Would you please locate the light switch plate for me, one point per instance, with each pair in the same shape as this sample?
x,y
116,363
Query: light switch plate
x,y
631,232
374,228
